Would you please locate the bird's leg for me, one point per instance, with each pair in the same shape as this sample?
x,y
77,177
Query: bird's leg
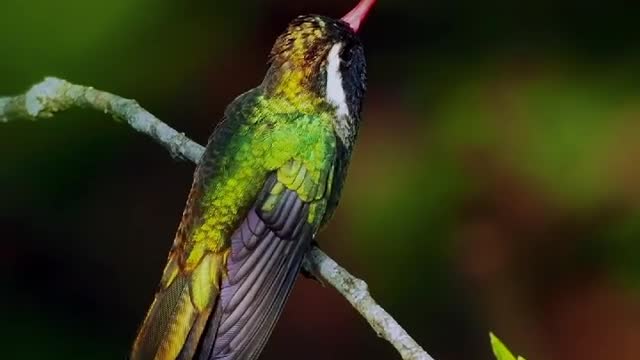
x,y
310,271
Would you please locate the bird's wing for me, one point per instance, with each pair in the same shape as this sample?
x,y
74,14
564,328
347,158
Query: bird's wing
x,y
266,254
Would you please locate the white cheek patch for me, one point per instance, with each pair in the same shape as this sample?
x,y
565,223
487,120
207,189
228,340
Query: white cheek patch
x,y
335,91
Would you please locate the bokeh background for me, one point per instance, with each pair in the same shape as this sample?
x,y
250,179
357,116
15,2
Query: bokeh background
x,y
496,184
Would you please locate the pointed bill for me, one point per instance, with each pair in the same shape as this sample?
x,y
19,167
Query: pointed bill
x,y
356,17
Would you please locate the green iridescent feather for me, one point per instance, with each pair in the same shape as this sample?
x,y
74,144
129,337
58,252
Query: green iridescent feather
x,y
272,134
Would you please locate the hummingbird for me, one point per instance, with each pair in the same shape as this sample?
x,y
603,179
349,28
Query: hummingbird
x,y
269,179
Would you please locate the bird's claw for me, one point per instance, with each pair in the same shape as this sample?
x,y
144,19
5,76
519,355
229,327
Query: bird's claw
x,y
309,271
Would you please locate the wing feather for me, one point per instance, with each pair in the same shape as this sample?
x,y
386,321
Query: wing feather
x,y
267,250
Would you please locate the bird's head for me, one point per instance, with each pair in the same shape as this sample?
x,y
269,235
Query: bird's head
x,y
321,58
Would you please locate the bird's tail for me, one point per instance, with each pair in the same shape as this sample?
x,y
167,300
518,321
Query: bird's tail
x,y
179,313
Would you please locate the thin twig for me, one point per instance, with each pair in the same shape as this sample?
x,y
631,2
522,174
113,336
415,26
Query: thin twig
x,y
356,291
53,95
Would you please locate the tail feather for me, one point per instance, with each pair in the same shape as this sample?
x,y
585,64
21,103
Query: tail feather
x,y
195,335
177,317
158,320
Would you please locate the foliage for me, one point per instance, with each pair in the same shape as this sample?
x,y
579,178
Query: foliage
x,y
500,350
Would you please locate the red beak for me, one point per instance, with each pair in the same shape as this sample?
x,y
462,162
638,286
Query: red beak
x,y
356,17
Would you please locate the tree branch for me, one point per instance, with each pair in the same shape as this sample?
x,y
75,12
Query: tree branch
x,y
54,95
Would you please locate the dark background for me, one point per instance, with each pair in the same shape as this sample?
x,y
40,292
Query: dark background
x,y
496,184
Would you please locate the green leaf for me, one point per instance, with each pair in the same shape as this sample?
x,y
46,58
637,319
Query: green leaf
x,y
500,350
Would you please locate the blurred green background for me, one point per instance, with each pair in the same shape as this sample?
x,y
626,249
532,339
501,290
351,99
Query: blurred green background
x,y
496,185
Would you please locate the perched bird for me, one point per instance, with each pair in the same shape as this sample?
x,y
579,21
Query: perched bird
x,y
270,177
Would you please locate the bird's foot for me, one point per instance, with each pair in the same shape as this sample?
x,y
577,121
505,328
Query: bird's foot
x,y
309,270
